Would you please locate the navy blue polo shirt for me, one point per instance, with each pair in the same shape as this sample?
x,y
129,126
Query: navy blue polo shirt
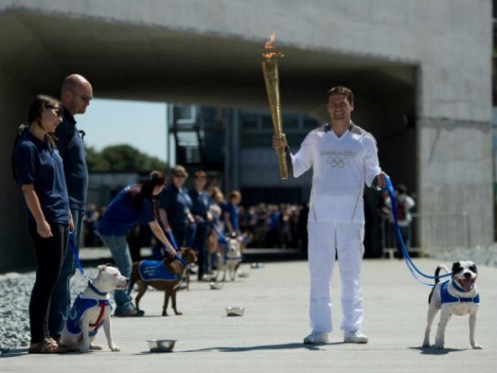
x,y
200,203
122,214
36,164
72,151
234,215
177,204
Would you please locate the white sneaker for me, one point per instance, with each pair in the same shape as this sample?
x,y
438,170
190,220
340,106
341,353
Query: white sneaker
x,y
316,337
355,337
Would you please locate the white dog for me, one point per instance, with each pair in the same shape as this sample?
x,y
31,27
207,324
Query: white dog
x,y
457,296
91,310
232,257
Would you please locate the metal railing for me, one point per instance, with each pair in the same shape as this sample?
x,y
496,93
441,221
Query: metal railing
x,y
430,233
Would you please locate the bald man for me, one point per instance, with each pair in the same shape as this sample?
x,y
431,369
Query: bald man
x,y
76,95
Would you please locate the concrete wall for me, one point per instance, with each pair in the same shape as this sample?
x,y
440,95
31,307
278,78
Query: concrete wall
x,y
435,53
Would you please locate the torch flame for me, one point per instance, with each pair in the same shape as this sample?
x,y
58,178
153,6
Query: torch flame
x,y
268,46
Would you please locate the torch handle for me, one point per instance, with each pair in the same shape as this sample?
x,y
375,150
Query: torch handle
x,y
282,164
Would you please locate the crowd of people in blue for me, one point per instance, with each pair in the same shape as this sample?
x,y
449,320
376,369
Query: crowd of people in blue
x,y
264,225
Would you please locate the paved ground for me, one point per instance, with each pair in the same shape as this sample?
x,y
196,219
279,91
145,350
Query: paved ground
x,y
269,336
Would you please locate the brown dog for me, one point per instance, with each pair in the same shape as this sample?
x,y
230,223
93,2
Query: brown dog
x,y
161,275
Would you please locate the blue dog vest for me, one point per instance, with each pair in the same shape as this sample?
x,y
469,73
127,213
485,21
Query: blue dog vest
x,y
154,270
80,306
446,297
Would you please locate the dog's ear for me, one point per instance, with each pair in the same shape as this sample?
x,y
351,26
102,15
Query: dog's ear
x,y
473,268
456,267
102,267
194,256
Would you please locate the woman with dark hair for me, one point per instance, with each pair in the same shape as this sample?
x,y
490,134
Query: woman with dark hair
x,y
39,172
134,204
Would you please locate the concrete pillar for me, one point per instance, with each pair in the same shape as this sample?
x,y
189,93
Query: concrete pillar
x,y
16,244
232,154
455,163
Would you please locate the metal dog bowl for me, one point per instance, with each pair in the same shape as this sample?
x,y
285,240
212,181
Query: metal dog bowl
x,y
235,311
208,278
216,285
257,265
161,345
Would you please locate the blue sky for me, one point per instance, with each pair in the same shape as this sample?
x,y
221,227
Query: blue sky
x,y
139,124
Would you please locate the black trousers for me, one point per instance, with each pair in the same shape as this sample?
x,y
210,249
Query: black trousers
x,y
49,254
200,246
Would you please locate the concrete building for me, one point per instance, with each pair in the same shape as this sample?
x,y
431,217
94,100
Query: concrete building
x,y
420,69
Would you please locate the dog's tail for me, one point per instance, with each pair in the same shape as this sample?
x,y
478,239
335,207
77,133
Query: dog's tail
x,y
437,279
437,272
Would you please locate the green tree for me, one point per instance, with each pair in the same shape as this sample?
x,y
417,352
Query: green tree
x,y
121,158
95,161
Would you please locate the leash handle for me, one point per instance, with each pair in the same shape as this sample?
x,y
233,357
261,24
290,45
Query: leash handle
x,y
410,264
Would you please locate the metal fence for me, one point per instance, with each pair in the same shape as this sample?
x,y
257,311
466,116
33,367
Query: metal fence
x,y
430,233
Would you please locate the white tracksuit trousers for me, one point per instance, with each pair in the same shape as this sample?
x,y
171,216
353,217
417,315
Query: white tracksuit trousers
x,y
346,239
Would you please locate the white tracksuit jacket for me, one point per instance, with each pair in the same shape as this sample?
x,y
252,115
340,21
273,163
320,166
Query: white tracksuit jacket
x,y
341,166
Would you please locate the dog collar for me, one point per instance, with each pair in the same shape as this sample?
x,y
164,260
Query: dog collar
x,y
226,257
92,287
181,259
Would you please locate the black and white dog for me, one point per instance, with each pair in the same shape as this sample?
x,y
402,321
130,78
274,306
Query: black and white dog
x,y
457,296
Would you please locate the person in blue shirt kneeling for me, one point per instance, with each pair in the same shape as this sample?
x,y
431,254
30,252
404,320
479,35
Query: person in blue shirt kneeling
x,y
134,204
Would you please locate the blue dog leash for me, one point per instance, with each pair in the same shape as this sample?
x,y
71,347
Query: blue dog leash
x,y
410,264
220,235
193,233
76,255
171,239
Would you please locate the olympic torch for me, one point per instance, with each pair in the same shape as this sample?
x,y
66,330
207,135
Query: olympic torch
x,y
271,78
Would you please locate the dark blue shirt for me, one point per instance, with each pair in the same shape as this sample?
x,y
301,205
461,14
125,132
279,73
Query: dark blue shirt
x,y
35,163
72,150
122,214
234,215
200,203
177,204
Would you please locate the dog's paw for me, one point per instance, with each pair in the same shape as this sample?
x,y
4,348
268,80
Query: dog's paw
x,y
476,346
114,348
426,344
84,349
439,345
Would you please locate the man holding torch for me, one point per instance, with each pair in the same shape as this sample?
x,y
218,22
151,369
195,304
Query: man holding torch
x,y
343,157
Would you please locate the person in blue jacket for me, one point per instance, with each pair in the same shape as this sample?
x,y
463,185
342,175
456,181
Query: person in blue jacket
x,y
39,172
134,204
200,211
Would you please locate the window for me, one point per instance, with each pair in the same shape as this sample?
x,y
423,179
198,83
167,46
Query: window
x,y
250,122
184,114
